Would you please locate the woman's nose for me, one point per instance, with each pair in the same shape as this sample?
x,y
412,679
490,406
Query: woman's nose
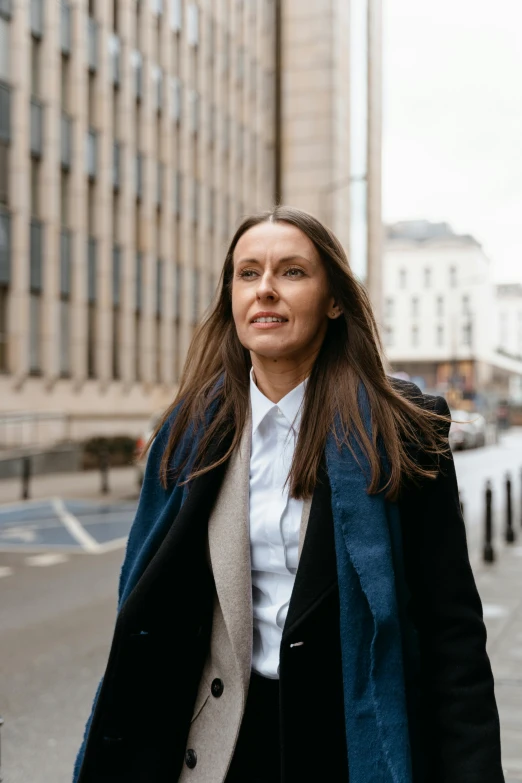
x,y
266,289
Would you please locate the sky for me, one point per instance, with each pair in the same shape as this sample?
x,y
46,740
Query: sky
x,y
452,126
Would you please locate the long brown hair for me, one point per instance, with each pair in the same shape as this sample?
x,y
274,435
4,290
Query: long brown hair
x,y
351,353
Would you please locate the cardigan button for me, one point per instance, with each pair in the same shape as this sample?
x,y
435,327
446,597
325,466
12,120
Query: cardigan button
x,y
217,687
191,758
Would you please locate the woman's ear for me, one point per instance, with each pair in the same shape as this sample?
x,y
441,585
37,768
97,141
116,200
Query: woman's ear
x,y
334,311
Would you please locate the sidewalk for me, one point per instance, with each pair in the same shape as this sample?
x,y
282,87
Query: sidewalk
x,y
85,485
500,587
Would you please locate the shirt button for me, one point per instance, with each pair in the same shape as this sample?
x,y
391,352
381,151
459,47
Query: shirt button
x,y
191,758
217,687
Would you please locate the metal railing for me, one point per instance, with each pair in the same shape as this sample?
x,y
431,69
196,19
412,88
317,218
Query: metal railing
x,y
27,429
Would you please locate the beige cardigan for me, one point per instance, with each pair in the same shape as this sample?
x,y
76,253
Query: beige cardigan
x,y
216,721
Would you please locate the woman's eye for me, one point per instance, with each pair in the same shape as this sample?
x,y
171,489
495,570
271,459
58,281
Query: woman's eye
x,y
248,273
294,272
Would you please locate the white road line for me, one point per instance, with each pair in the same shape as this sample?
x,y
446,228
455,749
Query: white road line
x,y
48,559
5,571
74,527
109,546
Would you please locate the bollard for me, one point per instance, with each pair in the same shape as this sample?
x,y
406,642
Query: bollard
x,y
488,552
104,470
26,477
510,533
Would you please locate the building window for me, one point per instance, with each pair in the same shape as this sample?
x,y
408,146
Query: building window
x,y
465,304
178,188
4,304
440,306
453,277
116,311
65,302
503,333
195,296
159,314
177,292
35,283
427,277
466,333
91,307
193,24
4,49
138,288
388,336
176,15
402,278
388,308
5,280
4,173
415,307
440,335
415,336
176,98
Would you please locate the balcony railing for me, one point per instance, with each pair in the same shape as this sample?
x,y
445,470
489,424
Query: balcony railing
x,y
5,247
36,127
65,27
37,18
115,58
91,159
5,113
116,165
92,44
66,141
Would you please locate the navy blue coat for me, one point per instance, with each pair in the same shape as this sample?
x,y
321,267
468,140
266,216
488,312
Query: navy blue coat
x,y
142,714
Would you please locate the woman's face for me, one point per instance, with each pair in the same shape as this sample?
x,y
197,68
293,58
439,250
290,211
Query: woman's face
x,y
280,297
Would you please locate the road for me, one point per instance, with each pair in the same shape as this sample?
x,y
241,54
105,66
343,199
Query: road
x,y
59,566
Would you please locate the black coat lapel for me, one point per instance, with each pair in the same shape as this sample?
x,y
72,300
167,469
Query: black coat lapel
x,y
317,570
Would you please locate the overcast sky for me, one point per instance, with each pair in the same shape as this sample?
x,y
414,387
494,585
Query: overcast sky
x,y
453,120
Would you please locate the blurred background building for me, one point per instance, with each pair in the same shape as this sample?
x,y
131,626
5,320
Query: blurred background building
x,y
446,324
134,134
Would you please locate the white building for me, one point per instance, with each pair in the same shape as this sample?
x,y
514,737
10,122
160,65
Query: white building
x,y
509,330
440,323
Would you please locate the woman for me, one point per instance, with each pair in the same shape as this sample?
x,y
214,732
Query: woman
x,y
296,600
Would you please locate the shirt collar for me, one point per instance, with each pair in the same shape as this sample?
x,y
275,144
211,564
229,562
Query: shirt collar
x,y
290,405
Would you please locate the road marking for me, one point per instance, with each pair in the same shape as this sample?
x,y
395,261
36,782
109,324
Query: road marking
x,y
74,527
24,534
49,559
492,611
5,571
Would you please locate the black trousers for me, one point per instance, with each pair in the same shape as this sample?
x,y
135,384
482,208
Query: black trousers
x,y
257,758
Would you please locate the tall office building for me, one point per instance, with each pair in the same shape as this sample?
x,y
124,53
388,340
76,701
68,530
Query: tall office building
x,y
133,136
330,130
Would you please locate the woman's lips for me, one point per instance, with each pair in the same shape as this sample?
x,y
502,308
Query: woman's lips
x,y
270,325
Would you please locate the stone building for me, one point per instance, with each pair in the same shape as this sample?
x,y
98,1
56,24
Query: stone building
x,y
134,134
445,322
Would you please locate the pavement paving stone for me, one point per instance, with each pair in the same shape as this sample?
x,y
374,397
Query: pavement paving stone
x,y
500,587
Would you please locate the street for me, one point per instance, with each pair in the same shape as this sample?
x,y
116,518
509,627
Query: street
x,y
59,565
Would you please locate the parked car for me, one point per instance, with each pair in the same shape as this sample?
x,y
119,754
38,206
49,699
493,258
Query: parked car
x,y
141,442
467,431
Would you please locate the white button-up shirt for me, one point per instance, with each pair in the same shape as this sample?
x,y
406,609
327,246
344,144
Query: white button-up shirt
x,y
275,520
